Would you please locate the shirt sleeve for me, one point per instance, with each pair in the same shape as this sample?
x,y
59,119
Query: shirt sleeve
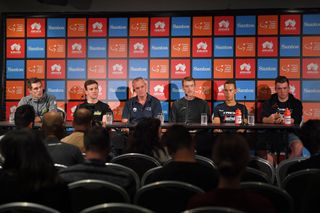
x,y
216,112
156,109
22,101
266,109
207,110
173,116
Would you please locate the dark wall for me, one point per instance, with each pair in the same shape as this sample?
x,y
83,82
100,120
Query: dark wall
x,y
151,5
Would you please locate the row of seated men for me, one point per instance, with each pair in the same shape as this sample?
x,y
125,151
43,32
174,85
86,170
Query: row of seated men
x,y
187,109
28,172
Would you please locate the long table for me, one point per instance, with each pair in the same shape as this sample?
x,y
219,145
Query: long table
x,y
257,126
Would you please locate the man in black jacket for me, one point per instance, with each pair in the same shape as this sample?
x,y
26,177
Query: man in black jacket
x,y
273,110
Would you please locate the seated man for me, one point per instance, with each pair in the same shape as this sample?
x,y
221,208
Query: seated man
x,y
82,120
231,155
40,101
189,108
143,105
184,166
273,109
23,117
98,108
61,153
97,148
225,112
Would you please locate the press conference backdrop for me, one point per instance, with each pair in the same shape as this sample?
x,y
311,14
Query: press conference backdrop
x,y
252,47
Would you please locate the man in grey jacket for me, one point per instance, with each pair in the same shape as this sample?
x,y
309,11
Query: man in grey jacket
x,y
40,101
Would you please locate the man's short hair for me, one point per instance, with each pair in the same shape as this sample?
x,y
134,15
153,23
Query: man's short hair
x,y
188,78
177,137
137,79
83,117
89,82
96,139
231,81
281,79
23,116
33,81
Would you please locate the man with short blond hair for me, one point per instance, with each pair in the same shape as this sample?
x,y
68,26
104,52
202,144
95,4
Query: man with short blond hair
x,y
189,108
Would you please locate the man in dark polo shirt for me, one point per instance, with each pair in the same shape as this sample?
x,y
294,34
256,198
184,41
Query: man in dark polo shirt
x,y
225,112
143,105
189,108
98,108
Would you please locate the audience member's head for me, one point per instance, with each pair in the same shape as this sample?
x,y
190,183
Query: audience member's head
x,y
53,124
310,136
24,116
97,143
27,159
231,155
176,138
145,137
82,119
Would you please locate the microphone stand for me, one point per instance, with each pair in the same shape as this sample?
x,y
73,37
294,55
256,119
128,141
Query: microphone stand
x,y
244,103
187,111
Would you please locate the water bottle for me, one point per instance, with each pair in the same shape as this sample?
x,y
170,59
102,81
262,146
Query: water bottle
x,y
287,116
238,117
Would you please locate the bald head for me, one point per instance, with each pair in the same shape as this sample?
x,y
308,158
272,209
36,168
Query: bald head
x,y
82,117
53,124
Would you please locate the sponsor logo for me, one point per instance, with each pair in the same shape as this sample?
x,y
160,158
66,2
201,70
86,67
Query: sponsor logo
x,y
35,69
224,25
267,46
312,68
158,89
97,27
15,90
56,69
36,27
97,69
202,46
290,24
138,47
140,26
180,67
117,68
203,25
182,47
268,24
290,68
118,47
224,68
77,27
313,46
17,28
159,68
56,48
245,68
15,48
159,26
246,47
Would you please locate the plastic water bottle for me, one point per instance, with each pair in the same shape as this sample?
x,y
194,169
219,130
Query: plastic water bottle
x,y
287,116
12,111
238,117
